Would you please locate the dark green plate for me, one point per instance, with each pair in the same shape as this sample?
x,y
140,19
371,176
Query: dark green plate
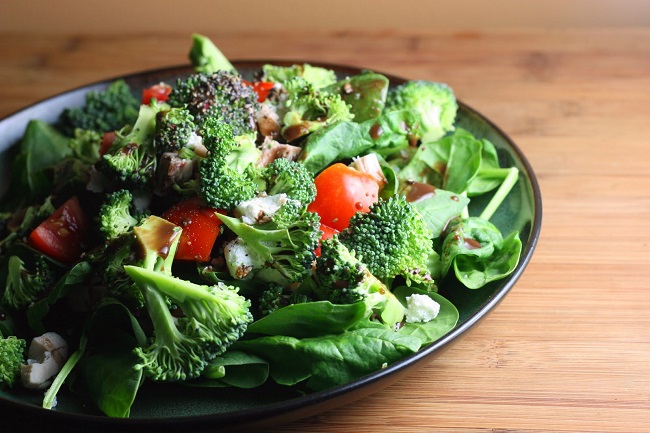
x,y
172,407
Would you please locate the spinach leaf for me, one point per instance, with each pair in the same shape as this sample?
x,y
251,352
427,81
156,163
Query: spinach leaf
x,y
449,163
332,143
41,148
365,93
330,360
112,381
428,163
464,161
458,162
72,279
391,132
439,208
462,164
478,252
490,174
475,272
385,135
107,369
234,368
310,319
429,332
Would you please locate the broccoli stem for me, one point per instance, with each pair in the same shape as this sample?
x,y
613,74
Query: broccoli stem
x,y
501,193
59,380
206,57
258,240
157,282
160,317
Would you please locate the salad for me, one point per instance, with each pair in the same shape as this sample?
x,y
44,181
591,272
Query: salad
x,y
226,231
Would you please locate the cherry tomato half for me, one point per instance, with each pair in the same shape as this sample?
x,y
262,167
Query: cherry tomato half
x,y
200,229
107,141
60,236
159,92
262,88
341,192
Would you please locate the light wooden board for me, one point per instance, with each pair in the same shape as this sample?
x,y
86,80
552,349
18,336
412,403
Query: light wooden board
x,y
569,348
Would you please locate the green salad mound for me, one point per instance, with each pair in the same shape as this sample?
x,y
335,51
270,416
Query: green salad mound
x,y
292,226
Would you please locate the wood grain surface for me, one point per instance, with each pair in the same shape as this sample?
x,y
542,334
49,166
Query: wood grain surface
x,y
568,350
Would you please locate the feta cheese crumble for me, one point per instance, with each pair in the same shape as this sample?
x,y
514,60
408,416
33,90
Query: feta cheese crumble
x,y
420,309
260,209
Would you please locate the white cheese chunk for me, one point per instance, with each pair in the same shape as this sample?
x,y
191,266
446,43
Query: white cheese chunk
x,y
421,308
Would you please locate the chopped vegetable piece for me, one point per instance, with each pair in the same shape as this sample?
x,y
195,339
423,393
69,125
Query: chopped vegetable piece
x,y
61,235
341,192
200,226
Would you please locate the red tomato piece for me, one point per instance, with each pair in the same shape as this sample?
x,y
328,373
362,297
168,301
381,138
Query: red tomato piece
x,y
107,140
60,236
342,191
262,88
328,232
200,226
159,92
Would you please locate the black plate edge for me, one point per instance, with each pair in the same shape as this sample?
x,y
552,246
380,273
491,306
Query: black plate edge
x,y
310,404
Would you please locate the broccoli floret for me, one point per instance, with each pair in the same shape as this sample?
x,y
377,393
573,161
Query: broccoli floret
x,y
284,254
341,278
245,153
72,174
206,57
114,277
107,261
434,103
222,95
317,76
24,285
131,159
392,239
275,296
117,215
219,185
119,284
288,213
174,129
85,145
309,109
104,111
12,355
213,317
291,178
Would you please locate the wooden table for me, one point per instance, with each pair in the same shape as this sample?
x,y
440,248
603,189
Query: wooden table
x,y
569,348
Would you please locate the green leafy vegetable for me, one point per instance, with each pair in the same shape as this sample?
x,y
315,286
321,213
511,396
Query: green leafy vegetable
x,y
107,367
41,148
364,93
234,368
384,135
330,360
478,252
310,319
431,331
